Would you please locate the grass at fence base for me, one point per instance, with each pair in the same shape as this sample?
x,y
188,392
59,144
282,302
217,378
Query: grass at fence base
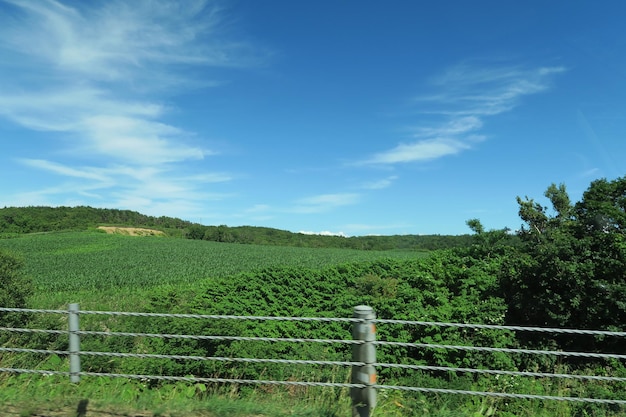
x,y
52,396
55,396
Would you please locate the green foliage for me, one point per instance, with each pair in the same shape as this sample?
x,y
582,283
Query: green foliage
x,y
15,288
476,226
417,289
448,286
565,268
603,208
571,269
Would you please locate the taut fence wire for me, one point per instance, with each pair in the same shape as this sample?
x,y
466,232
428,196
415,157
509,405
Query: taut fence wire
x,y
363,365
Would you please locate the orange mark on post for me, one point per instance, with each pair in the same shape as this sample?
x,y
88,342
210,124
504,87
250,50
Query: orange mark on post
x,y
372,378
373,328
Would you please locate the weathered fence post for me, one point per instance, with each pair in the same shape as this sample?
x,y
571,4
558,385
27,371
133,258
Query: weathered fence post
x,y
364,399
74,328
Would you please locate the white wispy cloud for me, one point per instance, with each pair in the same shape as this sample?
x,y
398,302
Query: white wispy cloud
x,y
99,73
465,96
378,229
592,172
467,90
453,127
139,140
423,150
128,186
324,202
98,60
114,39
380,184
258,208
86,173
324,233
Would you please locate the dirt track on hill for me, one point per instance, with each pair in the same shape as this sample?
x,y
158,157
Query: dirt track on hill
x,y
131,231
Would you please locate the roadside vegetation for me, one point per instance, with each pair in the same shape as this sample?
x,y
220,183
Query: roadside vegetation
x,y
566,267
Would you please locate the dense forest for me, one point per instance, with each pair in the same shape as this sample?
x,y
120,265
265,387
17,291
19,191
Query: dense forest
x,y
20,220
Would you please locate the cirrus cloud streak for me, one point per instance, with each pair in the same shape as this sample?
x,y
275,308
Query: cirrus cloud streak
x,y
466,96
96,77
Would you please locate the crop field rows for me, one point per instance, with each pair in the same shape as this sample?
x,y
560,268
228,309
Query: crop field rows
x,y
77,261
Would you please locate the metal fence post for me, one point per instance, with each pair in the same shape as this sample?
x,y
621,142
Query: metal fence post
x,y
74,327
364,399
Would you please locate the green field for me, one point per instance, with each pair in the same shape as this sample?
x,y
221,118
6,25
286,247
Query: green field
x,y
113,271
116,272
162,274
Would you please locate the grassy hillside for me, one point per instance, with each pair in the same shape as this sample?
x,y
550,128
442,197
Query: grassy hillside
x,y
19,220
15,221
90,263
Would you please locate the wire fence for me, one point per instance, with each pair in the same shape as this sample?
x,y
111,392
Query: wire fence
x,y
362,365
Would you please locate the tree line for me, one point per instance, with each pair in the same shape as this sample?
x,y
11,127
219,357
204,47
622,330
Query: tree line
x,y
39,219
20,220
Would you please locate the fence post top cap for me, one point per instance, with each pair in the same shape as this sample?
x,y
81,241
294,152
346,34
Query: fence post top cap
x,y
363,310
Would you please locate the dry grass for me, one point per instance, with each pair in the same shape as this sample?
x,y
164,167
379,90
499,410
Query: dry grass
x,y
131,231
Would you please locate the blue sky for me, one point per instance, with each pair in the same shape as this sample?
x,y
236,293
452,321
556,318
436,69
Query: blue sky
x,y
347,117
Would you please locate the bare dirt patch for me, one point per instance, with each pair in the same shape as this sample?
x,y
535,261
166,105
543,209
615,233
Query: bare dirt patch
x,y
131,231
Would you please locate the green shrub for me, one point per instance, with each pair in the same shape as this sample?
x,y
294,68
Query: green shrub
x,y
15,288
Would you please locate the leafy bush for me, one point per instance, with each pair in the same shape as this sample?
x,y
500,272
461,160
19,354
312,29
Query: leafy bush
x,y
417,289
15,288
